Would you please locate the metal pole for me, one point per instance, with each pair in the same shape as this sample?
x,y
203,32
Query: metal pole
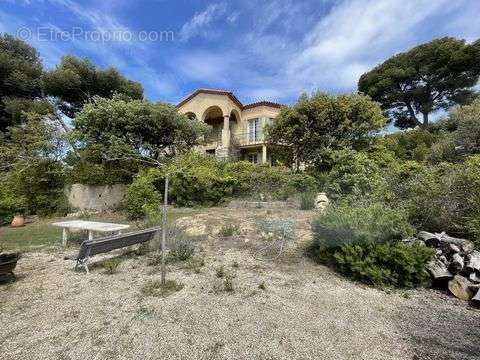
x,y
164,228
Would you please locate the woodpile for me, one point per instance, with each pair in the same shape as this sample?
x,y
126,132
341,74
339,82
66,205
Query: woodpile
x,y
456,265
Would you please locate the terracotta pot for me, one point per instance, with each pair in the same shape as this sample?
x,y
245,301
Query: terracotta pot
x,y
18,221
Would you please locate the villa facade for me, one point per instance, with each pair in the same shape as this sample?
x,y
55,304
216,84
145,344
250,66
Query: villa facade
x,y
238,130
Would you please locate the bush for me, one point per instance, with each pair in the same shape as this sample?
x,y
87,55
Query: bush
x,y
384,264
273,183
354,173
362,242
343,224
199,180
111,265
445,197
181,250
155,288
307,200
141,193
35,190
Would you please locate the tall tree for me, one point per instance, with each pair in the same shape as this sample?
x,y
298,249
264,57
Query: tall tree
x,y
430,77
20,79
320,123
136,129
77,81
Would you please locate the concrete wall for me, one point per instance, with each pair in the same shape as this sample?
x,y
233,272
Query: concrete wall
x,y
86,197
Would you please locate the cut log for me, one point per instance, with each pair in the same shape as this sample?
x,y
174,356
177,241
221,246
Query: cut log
x,y
476,298
466,245
444,260
473,261
460,287
457,263
438,270
430,239
453,248
473,277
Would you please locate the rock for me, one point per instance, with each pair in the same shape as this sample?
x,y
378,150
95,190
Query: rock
x,y
321,201
461,288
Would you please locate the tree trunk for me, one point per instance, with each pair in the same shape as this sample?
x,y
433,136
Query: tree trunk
x,y
461,288
164,231
425,120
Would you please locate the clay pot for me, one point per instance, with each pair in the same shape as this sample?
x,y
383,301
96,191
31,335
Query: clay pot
x,y
18,221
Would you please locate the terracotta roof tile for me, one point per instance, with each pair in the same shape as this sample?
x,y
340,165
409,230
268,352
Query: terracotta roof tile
x,y
231,96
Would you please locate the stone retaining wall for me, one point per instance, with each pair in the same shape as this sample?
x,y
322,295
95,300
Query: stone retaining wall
x,y
99,198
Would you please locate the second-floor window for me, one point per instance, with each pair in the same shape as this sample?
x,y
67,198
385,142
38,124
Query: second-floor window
x,y
253,130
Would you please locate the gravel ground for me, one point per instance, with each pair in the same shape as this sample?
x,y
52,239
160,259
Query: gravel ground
x,y
305,312
440,326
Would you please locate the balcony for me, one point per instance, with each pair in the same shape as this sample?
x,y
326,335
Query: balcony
x,y
248,139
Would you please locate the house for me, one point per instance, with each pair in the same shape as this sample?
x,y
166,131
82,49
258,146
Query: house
x,y
237,129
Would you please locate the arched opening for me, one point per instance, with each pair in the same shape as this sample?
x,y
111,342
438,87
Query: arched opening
x,y
191,115
213,116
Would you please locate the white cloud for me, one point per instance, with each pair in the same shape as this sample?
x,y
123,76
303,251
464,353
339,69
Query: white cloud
x,y
356,35
202,20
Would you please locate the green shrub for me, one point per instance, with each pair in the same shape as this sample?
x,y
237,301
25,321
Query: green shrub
x,y
463,198
355,174
195,264
344,224
181,250
362,242
228,230
155,288
307,200
220,271
34,190
111,265
199,180
228,283
384,264
141,193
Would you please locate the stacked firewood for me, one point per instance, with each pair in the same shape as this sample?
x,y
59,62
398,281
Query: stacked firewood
x,y
456,265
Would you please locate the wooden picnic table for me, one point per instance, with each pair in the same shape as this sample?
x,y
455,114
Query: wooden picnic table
x,y
91,226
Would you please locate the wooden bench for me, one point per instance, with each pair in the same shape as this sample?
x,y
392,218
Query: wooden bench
x,y
91,248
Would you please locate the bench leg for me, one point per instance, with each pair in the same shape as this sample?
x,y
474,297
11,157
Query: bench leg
x,y
82,263
90,235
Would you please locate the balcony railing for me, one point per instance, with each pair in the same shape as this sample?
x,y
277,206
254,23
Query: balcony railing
x,y
248,138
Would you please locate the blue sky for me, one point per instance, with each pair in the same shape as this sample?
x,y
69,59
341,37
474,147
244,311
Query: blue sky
x,y
260,49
